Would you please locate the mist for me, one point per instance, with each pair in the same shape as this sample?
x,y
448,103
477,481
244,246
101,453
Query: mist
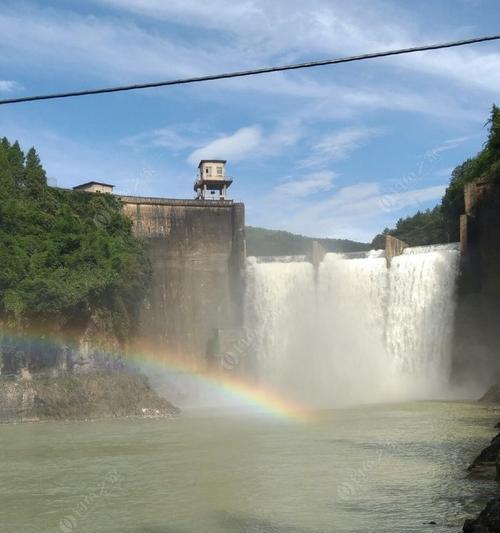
x,y
355,330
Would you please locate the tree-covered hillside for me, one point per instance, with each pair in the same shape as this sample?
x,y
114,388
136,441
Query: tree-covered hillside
x,y
441,224
64,255
266,242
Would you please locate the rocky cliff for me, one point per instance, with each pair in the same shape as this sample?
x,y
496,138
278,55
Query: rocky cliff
x,y
477,326
80,397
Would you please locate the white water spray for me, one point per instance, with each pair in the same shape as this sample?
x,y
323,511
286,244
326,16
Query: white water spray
x,y
355,331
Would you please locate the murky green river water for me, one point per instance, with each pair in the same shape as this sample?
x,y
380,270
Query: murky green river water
x,y
390,468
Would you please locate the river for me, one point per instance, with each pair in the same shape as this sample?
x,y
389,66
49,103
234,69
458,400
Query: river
x,y
380,468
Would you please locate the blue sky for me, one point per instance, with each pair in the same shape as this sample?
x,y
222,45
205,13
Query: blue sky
x,y
337,151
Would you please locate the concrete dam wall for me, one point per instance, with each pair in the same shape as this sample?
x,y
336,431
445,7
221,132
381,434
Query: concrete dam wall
x,y
197,252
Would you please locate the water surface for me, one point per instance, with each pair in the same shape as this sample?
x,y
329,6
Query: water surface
x,y
386,468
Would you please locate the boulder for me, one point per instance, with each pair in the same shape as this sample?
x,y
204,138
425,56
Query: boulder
x,y
488,520
80,397
492,395
485,464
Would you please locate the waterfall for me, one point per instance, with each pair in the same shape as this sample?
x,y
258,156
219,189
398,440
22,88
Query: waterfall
x,y
355,331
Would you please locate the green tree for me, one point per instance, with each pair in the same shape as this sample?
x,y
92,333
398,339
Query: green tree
x,y
442,224
64,255
35,179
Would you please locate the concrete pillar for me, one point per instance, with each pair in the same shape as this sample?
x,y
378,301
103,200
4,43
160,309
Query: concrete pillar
x,y
470,197
393,247
237,264
464,219
316,254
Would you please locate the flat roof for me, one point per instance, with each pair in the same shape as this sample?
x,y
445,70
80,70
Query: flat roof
x,y
92,183
211,161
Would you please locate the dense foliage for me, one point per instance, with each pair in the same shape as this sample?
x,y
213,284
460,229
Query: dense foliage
x,y
64,255
441,224
265,242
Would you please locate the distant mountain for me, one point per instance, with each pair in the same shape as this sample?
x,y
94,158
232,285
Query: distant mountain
x,y
261,241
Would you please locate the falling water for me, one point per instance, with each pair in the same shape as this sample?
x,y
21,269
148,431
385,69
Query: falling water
x,y
355,331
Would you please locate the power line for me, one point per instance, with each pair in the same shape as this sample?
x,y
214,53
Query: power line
x,y
254,72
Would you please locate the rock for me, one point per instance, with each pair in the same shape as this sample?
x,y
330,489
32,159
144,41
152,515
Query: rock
x,y
81,397
488,520
485,464
492,395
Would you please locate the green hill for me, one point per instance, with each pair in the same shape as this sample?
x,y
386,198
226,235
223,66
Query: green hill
x,y
441,224
266,242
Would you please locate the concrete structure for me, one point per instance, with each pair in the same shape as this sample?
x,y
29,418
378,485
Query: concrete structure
x,y
393,247
94,186
211,180
475,192
197,252
316,255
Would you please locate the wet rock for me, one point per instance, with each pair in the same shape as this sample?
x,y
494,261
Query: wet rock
x,y
81,397
492,395
485,464
488,520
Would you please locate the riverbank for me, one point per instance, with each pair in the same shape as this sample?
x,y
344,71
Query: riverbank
x,y
487,466
81,397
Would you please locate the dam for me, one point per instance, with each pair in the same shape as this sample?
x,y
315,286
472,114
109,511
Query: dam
x,y
197,254
328,328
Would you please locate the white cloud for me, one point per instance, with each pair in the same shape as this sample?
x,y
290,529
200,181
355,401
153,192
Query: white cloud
x,y
449,144
118,47
307,185
174,138
215,14
329,27
367,199
238,146
395,201
339,145
358,211
444,172
6,86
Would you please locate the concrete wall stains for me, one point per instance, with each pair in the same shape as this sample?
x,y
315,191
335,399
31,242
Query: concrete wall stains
x,y
197,251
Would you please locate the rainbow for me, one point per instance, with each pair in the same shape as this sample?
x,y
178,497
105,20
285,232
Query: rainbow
x,y
254,396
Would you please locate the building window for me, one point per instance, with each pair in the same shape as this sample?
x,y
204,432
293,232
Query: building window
x,y
219,171
208,171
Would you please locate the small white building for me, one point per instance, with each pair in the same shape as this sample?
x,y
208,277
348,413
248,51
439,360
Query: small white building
x,y
95,186
211,180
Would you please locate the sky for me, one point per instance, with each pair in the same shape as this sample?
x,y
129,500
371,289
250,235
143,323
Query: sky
x,y
336,151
